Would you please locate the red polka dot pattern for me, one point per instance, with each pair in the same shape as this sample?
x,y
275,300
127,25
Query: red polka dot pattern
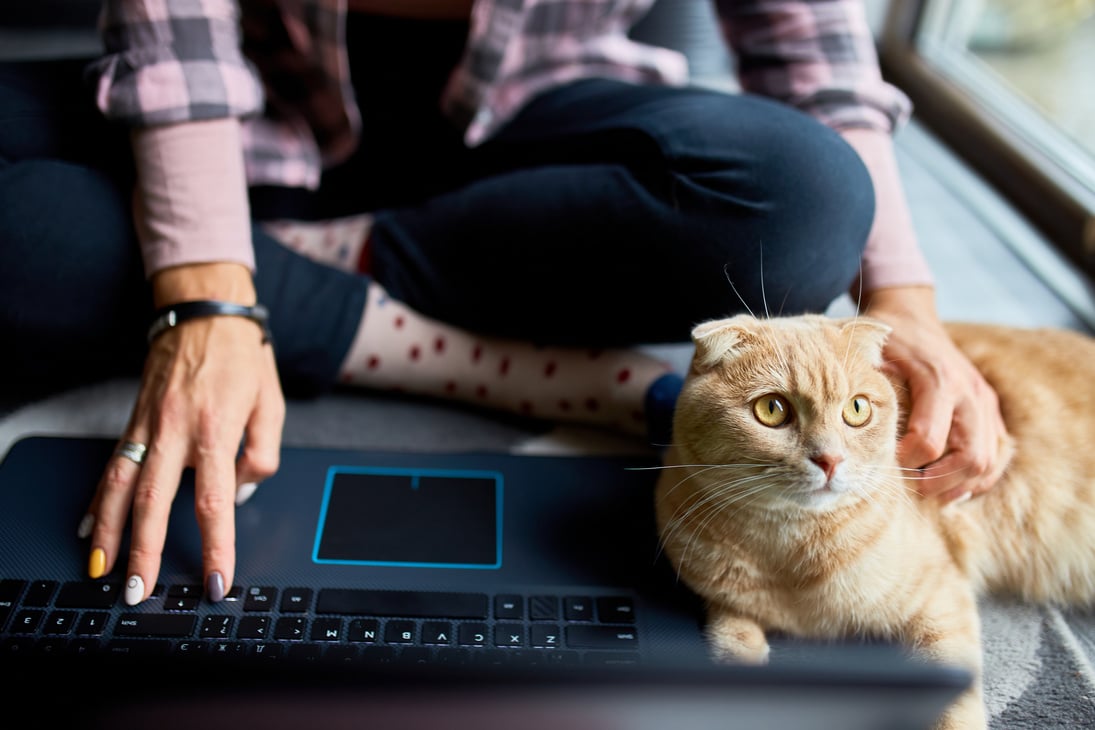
x,y
592,386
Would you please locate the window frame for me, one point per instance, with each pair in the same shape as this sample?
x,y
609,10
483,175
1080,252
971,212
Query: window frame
x,y
1061,206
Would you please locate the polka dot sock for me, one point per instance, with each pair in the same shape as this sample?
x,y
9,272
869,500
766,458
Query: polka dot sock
x,y
398,349
340,242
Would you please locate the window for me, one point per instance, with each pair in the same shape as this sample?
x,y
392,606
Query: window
x,y
1007,85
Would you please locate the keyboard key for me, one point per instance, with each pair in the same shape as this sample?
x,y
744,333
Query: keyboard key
x,y
436,632
160,625
216,627
490,657
260,598
378,654
561,657
296,600
508,607
10,590
192,648
26,622
410,604
545,636
253,627
305,653
184,591
55,645
601,637
39,593
509,635
327,629
578,608
290,628
59,623
611,658
268,652
340,653
472,634
363,630
415,655
16,645
181,603
450,656
399,632
84,647
228,649
616,610
543,608
138,647
92,623
82,594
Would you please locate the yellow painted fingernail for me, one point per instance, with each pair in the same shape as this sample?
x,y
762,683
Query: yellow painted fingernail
x,y
96,564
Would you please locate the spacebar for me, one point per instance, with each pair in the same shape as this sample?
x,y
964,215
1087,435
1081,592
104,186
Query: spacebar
x,y
412,604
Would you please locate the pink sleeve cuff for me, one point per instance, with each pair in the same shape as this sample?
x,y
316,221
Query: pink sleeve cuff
x,y
892,257
191,204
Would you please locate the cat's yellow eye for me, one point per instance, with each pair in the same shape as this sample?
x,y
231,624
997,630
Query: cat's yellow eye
x,y
857,411
772,410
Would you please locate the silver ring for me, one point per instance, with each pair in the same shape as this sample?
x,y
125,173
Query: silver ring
x,y
133,451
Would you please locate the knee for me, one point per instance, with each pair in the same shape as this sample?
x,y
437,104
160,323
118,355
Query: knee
x,y
70,267
787,214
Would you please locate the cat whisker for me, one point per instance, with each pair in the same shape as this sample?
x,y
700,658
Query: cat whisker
x,y
726,273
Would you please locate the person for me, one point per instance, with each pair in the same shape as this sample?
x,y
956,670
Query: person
x,y
400,194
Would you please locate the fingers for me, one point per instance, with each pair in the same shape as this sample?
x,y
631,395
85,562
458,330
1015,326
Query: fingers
x,y
198,394
108,513
955,443
157,484
214,497
259,458
928,428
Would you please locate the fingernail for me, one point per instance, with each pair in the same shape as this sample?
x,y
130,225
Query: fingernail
x,y
244,492
87,524
134,590
964,498
214,587
96,564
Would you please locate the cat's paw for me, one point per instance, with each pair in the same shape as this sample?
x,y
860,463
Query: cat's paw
x,y
736,639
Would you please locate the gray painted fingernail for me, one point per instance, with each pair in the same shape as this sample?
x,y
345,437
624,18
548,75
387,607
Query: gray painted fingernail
x,y
134,590
244,492
87,524
214,587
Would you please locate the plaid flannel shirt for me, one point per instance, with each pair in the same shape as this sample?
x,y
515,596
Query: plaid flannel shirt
x,y
280,65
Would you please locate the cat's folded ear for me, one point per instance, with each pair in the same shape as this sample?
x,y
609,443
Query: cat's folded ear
x,y
868,334
718,339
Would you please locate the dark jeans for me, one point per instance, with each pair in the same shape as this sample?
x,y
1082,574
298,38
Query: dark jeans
x,y
604,214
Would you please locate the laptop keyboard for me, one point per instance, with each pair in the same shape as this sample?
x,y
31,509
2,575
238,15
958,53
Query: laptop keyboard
x,y
265,623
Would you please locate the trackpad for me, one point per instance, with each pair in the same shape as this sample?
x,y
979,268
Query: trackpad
x,y
411,517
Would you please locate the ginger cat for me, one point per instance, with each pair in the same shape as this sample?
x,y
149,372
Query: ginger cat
x,y
782,505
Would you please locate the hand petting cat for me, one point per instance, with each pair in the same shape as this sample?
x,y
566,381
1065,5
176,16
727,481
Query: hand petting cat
x,y
954,430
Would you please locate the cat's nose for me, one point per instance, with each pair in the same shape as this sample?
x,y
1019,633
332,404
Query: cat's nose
x,y
828,463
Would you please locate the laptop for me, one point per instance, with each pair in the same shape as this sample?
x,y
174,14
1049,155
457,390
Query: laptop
x,y
417,589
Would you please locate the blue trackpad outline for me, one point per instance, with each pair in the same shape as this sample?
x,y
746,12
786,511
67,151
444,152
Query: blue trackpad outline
x,y
410,517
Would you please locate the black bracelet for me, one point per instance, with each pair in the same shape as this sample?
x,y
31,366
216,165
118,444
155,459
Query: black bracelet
x,y
167,317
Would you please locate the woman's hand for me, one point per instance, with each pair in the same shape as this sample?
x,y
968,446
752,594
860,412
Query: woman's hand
x,y
209,386
954,431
